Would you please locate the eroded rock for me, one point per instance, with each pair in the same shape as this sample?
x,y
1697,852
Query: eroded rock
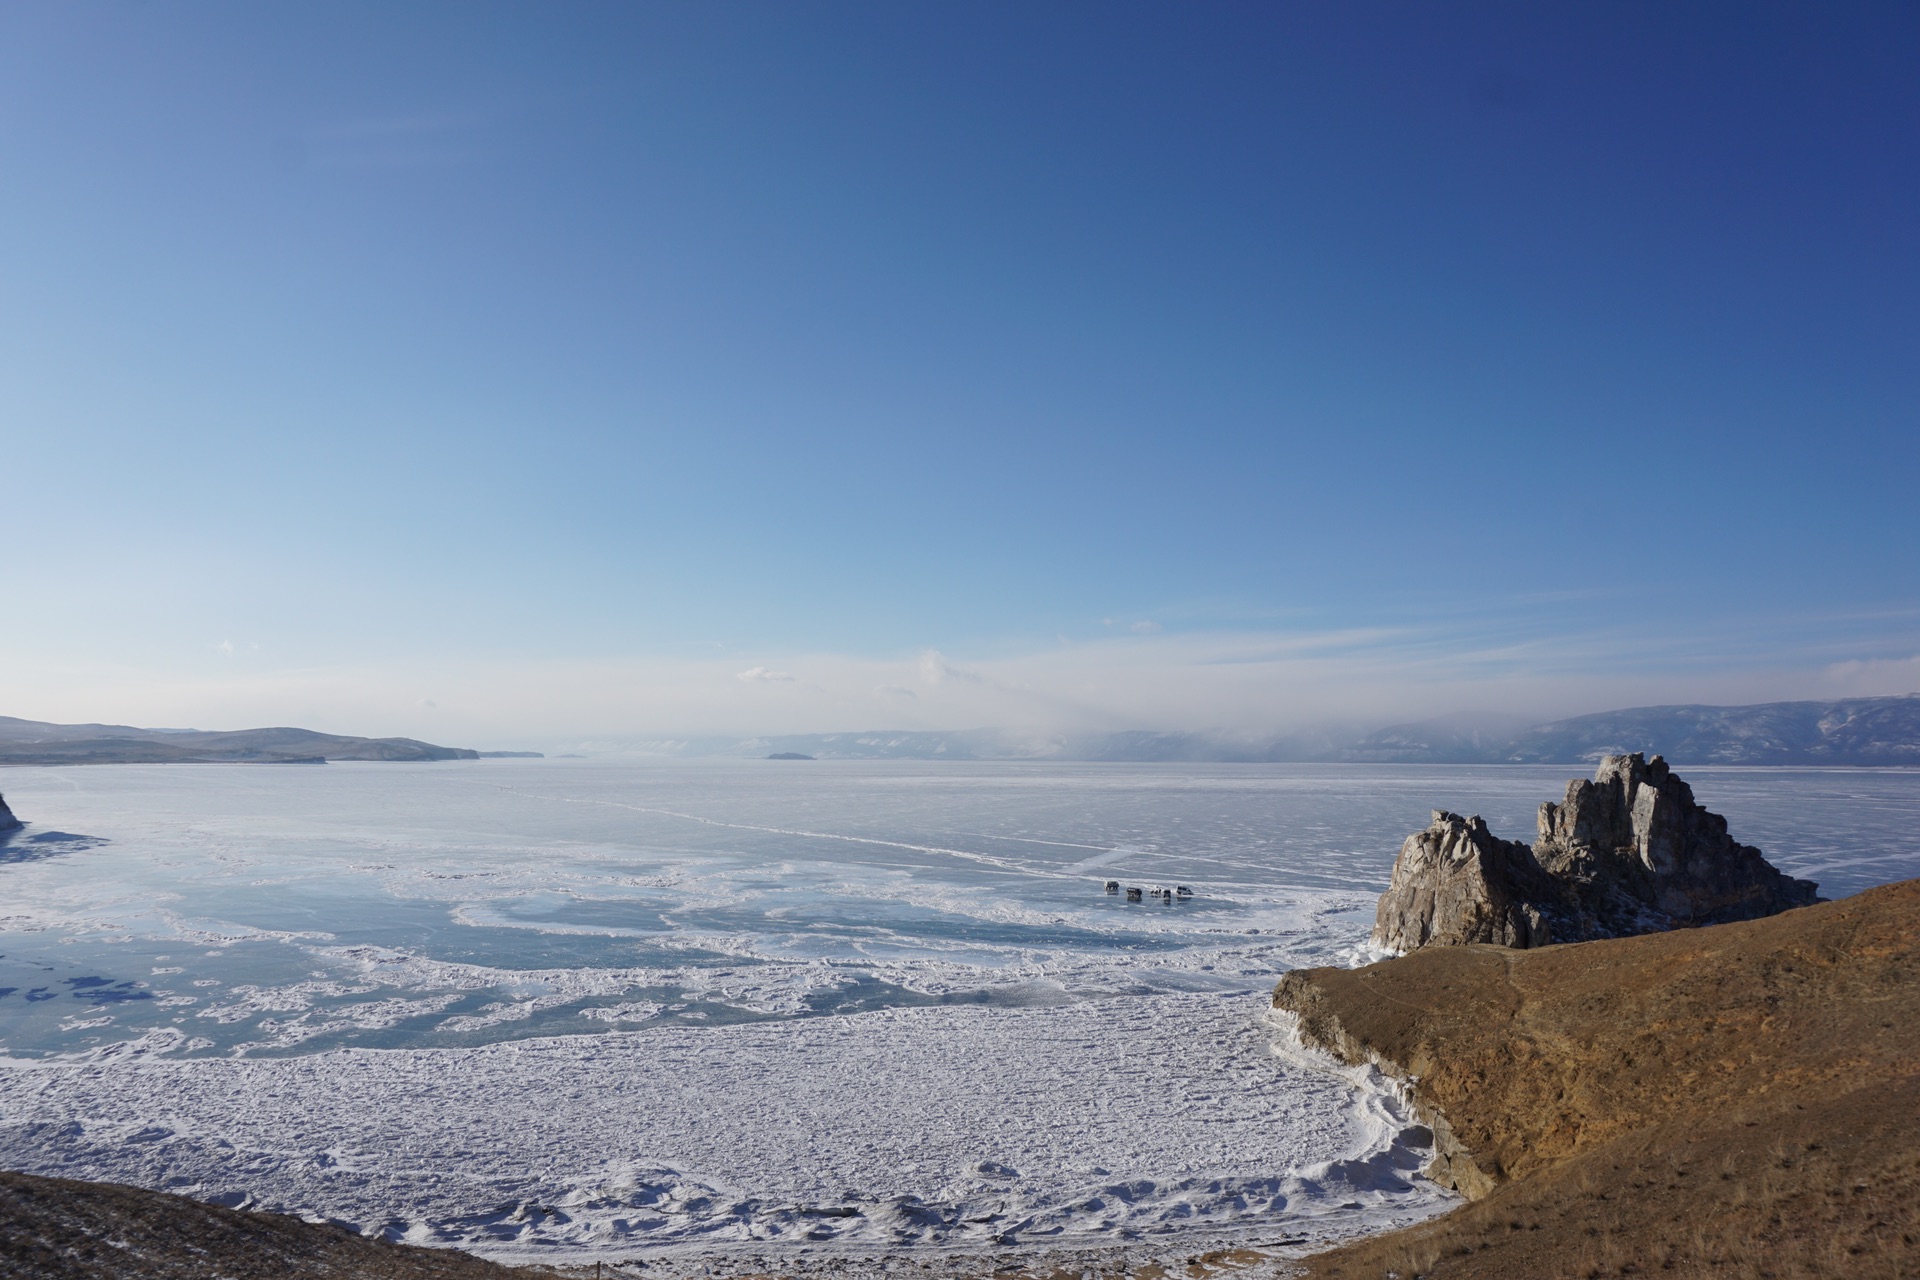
x,y
1628,852
1458,882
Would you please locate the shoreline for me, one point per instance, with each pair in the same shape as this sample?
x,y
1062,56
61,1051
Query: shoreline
x,y
1697,1101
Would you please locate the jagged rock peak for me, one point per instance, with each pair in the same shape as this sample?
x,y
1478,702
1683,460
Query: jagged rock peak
x,y
1637,828
1628,852
7,821
1457,881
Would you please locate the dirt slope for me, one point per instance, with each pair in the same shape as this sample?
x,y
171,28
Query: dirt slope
x,y
57,1229
1738,1100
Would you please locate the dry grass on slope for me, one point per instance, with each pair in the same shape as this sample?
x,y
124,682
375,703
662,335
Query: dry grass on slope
x,y
1736,1101
58,1229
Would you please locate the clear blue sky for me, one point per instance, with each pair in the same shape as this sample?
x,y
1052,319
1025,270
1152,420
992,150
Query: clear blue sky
x,y
1373,357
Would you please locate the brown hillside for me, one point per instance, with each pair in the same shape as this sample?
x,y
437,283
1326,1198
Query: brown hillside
x,y
58,1229
1737,1100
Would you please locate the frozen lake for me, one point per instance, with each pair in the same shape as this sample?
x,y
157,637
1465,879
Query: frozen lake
x,y
611,1008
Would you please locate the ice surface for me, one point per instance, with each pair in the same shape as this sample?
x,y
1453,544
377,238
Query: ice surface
x,y
1108,1118
560,1005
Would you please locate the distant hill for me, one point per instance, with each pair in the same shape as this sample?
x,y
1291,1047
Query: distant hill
x,y
33,742
1853,731
1139,746
1856,731
1448,740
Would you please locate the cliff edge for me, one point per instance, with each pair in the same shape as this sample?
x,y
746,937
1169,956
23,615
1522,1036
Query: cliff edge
x,y
1740,1100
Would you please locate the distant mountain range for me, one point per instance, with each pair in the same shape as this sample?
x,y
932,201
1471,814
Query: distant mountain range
x,y
35,742
1855,731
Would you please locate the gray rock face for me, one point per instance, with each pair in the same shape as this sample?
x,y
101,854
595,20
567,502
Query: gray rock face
x,y
1458,882
1634,842
7,821
1629,852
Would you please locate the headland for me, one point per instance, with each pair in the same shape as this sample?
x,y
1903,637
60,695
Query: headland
x,y
1741,1099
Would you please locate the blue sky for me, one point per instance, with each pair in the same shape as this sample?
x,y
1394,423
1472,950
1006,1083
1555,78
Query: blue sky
x,y
481,370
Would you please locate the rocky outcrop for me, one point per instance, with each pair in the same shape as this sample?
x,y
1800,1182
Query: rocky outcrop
x,y
7,821
1629,852
1743,1100
1632,846
1458,882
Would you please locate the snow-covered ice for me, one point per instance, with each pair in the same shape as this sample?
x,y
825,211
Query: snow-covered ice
x,y
602,1010
1107,1118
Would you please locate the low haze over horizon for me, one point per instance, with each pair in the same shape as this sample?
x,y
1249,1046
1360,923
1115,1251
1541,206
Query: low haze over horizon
x,y
493,372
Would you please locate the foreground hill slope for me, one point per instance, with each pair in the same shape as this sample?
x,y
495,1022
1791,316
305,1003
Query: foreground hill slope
x,y
1736,1100
57,1229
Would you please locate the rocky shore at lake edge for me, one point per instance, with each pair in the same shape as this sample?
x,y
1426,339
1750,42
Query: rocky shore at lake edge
x,y
1629,852
1741,1100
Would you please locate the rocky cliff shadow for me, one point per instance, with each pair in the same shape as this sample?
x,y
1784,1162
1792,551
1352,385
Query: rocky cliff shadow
x,y
25,845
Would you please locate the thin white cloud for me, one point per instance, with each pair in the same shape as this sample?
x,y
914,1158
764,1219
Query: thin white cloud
x,y
936,670
1893,675
1235,681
